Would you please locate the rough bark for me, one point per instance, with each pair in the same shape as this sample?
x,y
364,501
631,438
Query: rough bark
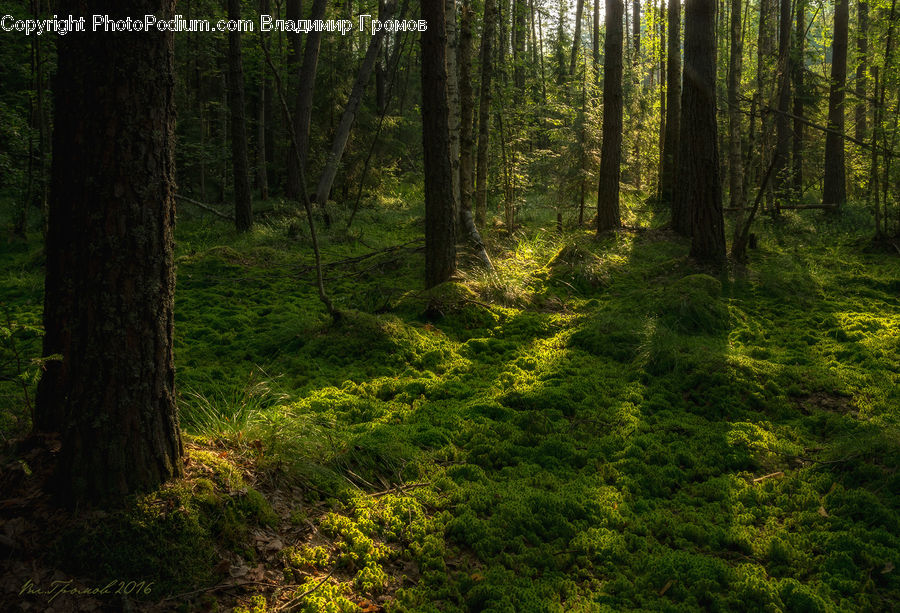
x,y
304,101
453,100
110,271
698,190
243,200
835,187
611,149
484,110
673,102
440,242
595,40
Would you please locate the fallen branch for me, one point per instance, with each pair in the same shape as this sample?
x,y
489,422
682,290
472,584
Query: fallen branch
x,y
769,476
296,599
205,207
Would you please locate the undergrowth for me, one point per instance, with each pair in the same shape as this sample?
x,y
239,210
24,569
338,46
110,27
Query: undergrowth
x,y
597,425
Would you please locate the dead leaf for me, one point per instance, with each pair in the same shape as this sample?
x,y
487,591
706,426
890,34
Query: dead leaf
x,y
822,511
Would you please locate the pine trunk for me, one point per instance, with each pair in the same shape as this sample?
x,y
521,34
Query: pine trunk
x,y
243,200
110,271
611,150
835,188
673,102
484,110
440,242
698,191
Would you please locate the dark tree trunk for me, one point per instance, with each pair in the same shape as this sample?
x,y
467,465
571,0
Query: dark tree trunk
x,y
110,273
799,95
611,149
243,211
636,30
262,171
673,102
520,33
698,192
576,42
783,122
862,50
735,173
440,242
835,188
304,101
484,110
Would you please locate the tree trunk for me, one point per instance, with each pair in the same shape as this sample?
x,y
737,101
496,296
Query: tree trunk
x,y
698,191
484,110
520,33
440,242
243,203
611,150
110,269
595,41
262,172
835,188
576,42
453,100
467,136
862,51
304,102
799,96
783,122
342,134
735,66
673,102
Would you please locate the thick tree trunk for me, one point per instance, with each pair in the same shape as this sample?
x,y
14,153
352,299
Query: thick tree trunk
x,y
611,151
835,188
110,271
673,102
342,133
440,242
304,101
735,65
698,191
243,200
484,110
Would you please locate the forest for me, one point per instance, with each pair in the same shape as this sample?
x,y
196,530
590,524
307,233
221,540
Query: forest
x,y
349,306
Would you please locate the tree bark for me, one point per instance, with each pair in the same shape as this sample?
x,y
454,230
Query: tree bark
x,y
799,95
735,66
342,133
862,51
595,41
110,269
262,171
576,42
835,188
453,100
243,203
440,242
783,122
698,191
484,110
304,101
611,149
673,102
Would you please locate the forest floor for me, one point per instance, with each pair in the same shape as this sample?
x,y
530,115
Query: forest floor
x,y
599,425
